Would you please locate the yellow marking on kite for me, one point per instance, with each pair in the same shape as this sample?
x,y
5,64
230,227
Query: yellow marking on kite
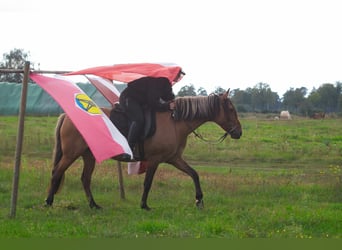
x,y
85,103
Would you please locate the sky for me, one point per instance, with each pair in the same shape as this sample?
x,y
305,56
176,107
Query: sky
x,y
218,43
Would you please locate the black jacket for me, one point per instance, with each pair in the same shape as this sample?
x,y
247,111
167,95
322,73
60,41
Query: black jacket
x,y
150,91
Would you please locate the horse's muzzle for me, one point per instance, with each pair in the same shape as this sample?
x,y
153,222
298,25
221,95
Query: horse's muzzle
x,y
235,133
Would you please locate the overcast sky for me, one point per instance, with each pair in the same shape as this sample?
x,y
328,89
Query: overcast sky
x,y
231,44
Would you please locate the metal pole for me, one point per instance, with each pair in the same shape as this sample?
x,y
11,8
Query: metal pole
x,y
19,140
121,185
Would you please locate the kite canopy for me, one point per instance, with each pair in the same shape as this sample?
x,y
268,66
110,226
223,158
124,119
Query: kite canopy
x,y
129,72
94,126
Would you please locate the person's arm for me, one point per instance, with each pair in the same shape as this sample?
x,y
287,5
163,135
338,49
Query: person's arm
x,y
160,94
163,106
172,105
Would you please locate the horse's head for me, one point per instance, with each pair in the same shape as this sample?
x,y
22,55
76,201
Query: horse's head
x,y
227,118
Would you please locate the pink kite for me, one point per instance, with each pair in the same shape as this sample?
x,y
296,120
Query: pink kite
x,y
103,138
129,72
105,87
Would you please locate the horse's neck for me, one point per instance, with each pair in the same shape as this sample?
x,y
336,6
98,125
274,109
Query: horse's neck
x,y
190,126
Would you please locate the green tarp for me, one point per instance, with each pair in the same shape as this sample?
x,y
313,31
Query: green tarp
x,y
38,101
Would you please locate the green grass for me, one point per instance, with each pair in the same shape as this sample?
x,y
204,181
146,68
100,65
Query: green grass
x,y
282,179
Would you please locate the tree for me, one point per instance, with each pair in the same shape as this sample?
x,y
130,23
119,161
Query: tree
x,y
15,59
326,98
202,92
242,100
329,97
263,99
219,90
339,106
314,102
187,90
294,100
339,101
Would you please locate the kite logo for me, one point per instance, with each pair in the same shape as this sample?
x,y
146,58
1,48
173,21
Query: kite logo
x,y
85,103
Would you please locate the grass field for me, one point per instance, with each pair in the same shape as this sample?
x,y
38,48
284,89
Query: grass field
x,y
282,179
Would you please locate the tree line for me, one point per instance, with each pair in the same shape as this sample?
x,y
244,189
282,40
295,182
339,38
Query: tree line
x,y
260,98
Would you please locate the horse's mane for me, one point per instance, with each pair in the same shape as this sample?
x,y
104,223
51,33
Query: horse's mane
x,y
196,107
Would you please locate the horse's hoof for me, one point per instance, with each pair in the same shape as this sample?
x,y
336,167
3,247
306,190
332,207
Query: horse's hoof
x,y
48,203
93,205
145,207
200,204
96,207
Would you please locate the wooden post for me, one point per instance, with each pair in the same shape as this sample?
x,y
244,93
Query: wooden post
x,y
19,140
121,185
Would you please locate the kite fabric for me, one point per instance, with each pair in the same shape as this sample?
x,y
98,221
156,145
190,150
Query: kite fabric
x,y
136,168
103,138
105,87
129,72
111,93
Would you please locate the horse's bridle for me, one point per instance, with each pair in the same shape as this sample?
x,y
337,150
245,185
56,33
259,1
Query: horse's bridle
x,y
221,139
231,130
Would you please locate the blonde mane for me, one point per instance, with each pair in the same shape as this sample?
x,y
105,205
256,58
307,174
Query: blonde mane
x,y
196,107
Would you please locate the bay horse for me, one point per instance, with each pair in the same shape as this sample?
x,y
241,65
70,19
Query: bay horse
x,y
165,146
318,115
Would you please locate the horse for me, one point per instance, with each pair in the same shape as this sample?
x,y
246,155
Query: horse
x,y
165,146
318,115
285,115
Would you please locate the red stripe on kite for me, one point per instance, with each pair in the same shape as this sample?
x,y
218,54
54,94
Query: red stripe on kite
x,y
129,72
105,87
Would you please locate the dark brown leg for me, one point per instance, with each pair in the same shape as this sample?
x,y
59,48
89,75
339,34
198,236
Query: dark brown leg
x,y
56,179
183,166
88,168
151,170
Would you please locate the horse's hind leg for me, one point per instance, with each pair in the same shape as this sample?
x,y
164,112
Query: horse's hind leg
x,y
88,168
56,179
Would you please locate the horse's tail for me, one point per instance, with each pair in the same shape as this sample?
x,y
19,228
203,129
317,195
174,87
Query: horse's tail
x,y
57,151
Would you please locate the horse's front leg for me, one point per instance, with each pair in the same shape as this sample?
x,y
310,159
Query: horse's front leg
x,y
88,168
183,166
150,171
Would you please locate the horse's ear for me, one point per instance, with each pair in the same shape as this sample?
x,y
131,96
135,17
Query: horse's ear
x,y
226,94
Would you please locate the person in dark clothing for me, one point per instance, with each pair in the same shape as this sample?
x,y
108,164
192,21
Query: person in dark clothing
x,y
154,92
